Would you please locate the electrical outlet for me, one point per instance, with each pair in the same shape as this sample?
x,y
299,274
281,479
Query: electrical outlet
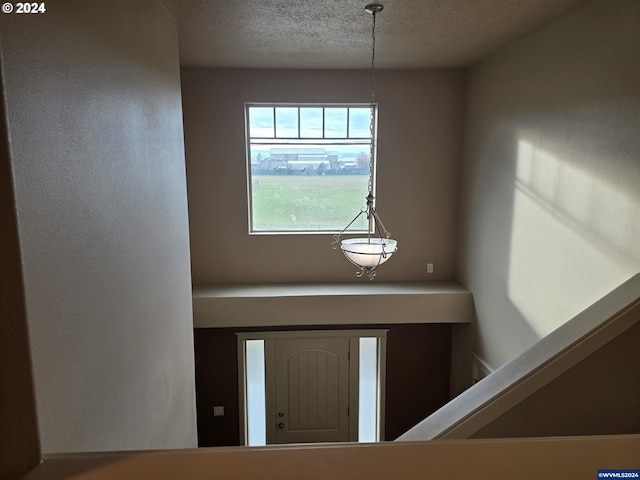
x,y
429,267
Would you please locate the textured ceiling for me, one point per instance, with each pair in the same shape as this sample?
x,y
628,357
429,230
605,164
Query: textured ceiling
x,y
337,33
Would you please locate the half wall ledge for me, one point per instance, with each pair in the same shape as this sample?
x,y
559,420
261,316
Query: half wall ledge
x,y
330,304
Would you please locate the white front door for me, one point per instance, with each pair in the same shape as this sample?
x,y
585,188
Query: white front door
x,y
311,386
312,390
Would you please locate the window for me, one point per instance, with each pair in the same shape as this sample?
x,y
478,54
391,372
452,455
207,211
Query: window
x,y
308,167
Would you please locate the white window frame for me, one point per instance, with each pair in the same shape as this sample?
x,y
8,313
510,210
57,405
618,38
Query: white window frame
x,y
309,141
354,372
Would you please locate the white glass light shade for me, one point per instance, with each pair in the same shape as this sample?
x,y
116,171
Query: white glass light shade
x,y
368,252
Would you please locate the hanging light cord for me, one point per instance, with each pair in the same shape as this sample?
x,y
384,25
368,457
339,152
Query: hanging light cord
x,y
375,224
373,100
371,211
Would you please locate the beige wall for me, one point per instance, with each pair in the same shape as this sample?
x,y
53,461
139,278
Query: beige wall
x,y
550,216
93,98
418,170
598,396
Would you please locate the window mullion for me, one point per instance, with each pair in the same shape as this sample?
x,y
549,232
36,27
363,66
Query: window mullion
x,y
348,112
323,122
274,122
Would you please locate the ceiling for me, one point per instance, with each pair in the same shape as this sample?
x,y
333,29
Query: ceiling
x,y
337,33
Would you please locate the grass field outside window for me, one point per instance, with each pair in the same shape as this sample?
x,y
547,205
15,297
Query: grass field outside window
x,y
308,203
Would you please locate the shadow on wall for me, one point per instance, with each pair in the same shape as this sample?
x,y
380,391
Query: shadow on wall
x,y
551,204
572,236
576,215
485,256
572,229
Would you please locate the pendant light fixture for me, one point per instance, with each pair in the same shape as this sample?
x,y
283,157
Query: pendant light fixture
x,y
368,253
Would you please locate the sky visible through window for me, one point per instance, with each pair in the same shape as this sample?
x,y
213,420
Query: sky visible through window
x,y
310,122
308,166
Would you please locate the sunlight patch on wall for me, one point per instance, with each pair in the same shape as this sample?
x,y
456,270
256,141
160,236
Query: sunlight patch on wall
x,y
574,238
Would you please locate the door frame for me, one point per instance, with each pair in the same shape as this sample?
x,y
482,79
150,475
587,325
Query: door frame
x,y
269,339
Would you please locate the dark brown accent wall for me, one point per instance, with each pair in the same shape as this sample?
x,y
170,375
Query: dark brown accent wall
x,y
216,384
418,368
19,432
418,373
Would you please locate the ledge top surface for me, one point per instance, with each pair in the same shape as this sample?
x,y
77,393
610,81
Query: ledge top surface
x,y
325,289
